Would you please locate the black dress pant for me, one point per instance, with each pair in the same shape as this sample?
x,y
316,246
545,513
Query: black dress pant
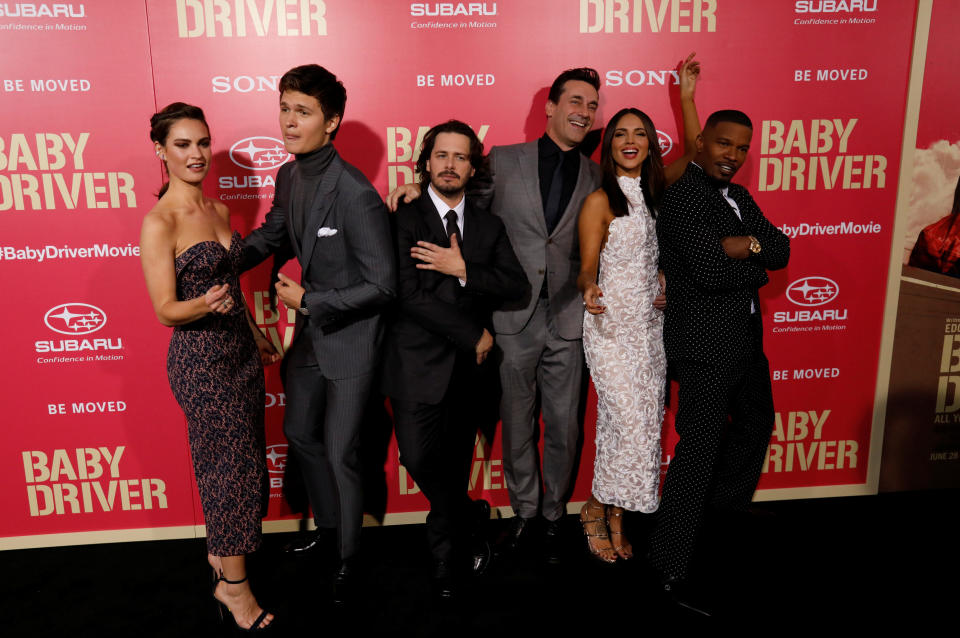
x,y
724,419
436,444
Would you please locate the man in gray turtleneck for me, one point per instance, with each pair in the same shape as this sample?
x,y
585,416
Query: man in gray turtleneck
x,y
326,213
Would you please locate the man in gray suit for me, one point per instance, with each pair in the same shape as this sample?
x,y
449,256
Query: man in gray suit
x,y
538,188
327,214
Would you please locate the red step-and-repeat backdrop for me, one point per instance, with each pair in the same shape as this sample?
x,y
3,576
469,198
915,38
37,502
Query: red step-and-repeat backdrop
x,y
94,446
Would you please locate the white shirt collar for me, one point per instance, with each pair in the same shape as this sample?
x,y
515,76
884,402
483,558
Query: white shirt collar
x,y
443,208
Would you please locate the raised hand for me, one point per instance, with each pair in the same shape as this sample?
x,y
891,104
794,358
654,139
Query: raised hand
x,y
689,74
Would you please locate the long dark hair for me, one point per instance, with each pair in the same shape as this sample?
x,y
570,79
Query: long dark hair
x,y
652,180
160,124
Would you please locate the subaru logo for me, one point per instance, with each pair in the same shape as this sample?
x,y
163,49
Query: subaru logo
x,y
259,153
277,458
75,318
812,291
666,144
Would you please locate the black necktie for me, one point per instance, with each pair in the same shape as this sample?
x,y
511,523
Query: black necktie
x,y
452,228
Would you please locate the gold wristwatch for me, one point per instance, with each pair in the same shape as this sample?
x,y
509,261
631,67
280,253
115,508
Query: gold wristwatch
x,y
754,245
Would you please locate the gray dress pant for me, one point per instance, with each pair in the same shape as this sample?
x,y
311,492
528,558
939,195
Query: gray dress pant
x,y
537,358
322,424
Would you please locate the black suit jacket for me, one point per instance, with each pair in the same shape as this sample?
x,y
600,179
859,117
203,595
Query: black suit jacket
x,y
435,317
709,294
347,262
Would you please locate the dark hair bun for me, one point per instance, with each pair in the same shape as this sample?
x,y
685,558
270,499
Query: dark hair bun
x,y
161,122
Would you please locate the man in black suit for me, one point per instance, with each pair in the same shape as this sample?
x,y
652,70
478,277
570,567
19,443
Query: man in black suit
x,y
327,214
537,190
715,249
455,266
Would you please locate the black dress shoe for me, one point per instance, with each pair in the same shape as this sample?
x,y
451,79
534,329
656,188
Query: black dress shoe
x,y
311,542
551,542
344,581
481,556
479,545
685,597
443,581
515,535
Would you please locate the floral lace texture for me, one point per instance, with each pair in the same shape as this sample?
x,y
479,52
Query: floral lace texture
x,y
624,350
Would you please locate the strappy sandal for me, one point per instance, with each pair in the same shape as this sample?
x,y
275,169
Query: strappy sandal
x,y
623,548
213,592
226,613
596,528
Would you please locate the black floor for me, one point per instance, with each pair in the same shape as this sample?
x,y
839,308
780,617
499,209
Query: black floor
x,y
820,565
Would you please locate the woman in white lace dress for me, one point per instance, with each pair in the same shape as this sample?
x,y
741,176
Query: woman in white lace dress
x,y
623,325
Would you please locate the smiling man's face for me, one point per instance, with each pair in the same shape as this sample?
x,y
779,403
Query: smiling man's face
x,y
571,117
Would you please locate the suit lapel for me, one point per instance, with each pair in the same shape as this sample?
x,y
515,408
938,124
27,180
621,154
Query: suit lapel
x,y
529,161
728,223
293,184
745,219
322,205
472,228
727,219
437,234
582,179
431,217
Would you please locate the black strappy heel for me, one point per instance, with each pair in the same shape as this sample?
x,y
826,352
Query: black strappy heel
x,y
226,613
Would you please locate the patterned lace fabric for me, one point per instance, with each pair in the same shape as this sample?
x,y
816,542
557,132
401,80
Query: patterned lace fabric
x,y
216,377
624,350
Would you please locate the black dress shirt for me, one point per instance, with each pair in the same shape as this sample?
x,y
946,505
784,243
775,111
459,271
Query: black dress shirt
x,y
550,155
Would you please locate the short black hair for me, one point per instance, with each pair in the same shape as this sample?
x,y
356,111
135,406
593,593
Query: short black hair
x,y
582,74
728,115
316,81
477,160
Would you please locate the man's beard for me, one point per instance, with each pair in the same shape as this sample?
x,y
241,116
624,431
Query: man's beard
x,y
448,189
718,183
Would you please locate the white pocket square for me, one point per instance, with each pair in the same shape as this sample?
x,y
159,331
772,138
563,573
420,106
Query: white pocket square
x,y
326,232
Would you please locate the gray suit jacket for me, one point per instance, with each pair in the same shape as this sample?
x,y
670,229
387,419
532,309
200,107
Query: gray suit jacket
x,y
348,265
517,201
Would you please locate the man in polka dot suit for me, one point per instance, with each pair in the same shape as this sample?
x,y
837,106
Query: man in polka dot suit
x,y
715,249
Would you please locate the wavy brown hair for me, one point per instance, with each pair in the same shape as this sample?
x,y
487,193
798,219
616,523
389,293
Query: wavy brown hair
x,y
477,160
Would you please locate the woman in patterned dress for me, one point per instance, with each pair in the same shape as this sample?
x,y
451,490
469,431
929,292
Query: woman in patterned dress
x,y
623,295
216,355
